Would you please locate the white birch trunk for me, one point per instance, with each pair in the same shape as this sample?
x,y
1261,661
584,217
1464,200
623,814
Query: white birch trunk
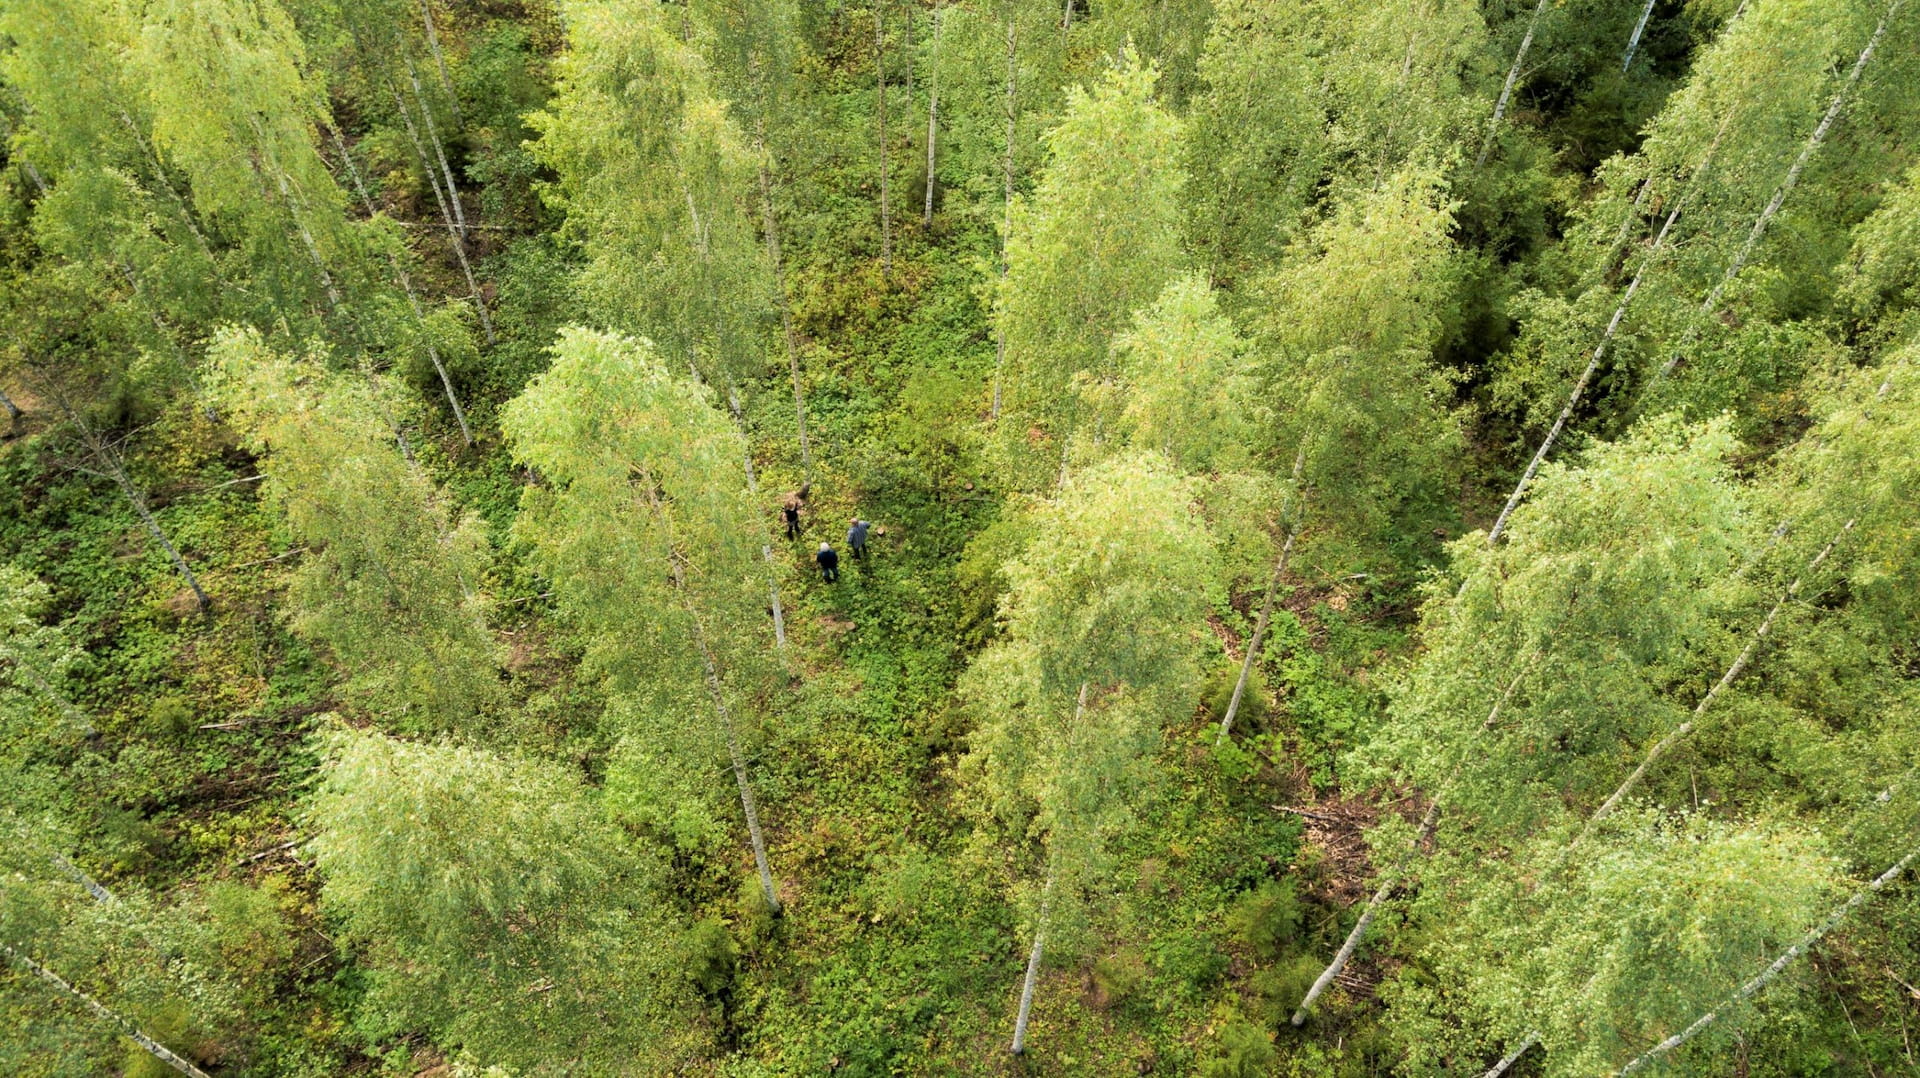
x,y
766,543
153,1047
1513,1057
1586,376
1792,180
1731,675
405,280
38,679
1774,969
439,150
1387,883
716,694
933,118
1032,978
446,215
1506,91
1633,43
1266,604
110,461
1392,876
439,60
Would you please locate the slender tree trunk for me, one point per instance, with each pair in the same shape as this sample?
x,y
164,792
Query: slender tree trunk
x,y
1731,675
13,410
446,214
1586,376
1006,235
153,1047
1388,882
1066,17
1040,923
880,97
405,280
48,691
76,874
1259,634
716,694
439,150
1774,969
748,806
1032,977
439,60
1633,43
933,118
109,461
1792,179
771,226
1391,877
1506,91
1519,1050
1273,587
766,544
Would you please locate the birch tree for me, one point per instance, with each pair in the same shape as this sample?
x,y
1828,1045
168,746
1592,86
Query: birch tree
x,y
1362,435
392,577
1098,239
648,511
37,659
234,109
1304,105
1099,656
1555,652
495,904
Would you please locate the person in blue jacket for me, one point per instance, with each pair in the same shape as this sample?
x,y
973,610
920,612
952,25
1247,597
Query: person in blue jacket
x,y
857,537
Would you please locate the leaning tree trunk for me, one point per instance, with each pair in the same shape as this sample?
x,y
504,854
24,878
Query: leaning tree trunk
x,y
1506,91
49,692
1032,978
1787,185
1633,43
153,1047
1586,376
1391,878
1266,604
716,694
1774,969
766,543
109,460
439,60
446,214
1732,674
405,280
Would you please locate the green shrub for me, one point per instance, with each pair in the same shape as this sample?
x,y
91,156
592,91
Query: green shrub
x,y
1266,920
1245,1051
1119,975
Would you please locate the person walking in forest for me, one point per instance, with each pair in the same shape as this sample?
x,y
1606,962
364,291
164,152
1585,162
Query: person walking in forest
x,y
857,537
829,563
790,512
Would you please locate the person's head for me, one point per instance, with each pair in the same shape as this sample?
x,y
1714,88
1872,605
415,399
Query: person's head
x,y
824,548
855,520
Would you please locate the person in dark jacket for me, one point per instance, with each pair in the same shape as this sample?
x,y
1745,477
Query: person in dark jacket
x,y
790,512
829,563
857,537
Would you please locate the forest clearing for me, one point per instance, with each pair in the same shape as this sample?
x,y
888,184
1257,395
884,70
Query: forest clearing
x,y
757,538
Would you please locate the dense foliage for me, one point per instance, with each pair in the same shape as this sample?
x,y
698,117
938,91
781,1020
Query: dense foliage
x,y
1390,542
